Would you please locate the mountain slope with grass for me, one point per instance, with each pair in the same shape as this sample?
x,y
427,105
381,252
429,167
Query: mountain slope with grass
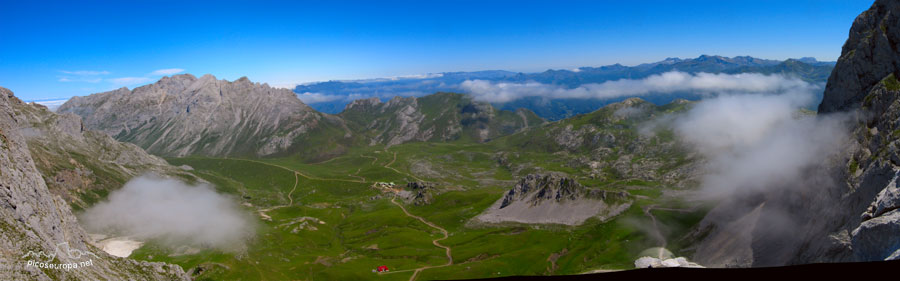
x,y
438,117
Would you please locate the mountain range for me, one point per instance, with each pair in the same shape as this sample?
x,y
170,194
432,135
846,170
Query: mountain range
x,y
183,115
332,96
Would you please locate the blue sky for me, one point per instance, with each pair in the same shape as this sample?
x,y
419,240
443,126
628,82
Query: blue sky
x,y
54,50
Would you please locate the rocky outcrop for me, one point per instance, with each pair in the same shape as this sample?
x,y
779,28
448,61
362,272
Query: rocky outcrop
x,y
184,115
869,55
38,226
77,164
420,193
554,199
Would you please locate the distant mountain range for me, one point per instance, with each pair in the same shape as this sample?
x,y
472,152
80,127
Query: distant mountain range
x,y
333,96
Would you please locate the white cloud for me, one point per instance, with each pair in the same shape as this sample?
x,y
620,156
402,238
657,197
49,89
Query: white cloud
x,y
289,86
310,98
124,81
167,71
150,207
669,82
79,79
89,76
86,72
759,142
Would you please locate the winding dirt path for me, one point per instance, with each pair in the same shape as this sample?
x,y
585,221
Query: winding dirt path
x,y
435,242
659,236
388,165
657,232
374,159
356,175
298,174
262,212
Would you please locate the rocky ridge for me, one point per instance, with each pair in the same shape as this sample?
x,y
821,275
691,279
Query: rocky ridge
x,y
35,221
183,115
77,164
437,117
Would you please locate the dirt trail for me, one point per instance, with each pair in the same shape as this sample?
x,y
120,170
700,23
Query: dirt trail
x,y
656,231
435,242
428,223
388,165
356,175
374,159
262,212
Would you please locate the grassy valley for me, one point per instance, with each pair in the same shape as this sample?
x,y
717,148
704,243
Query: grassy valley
x,y
331,221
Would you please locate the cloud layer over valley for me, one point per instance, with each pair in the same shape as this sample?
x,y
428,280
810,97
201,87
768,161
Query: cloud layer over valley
x,y
150,207
665,83
759,141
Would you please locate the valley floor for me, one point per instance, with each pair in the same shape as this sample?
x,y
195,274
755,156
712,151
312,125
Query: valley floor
x,y
332,221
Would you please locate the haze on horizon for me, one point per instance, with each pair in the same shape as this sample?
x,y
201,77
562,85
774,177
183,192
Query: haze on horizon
x,y
67,49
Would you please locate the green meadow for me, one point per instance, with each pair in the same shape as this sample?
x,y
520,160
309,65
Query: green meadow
x,y
338,227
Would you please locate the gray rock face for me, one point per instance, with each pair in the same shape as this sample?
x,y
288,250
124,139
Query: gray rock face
x,y
876,224
869,55
877,238
33,220
554,198
420,193
184,115
76,163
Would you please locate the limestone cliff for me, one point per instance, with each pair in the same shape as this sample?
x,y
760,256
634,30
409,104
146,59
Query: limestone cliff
x,y
36,223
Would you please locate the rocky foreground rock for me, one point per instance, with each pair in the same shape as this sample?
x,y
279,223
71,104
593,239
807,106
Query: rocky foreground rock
x,y
554,199
35,223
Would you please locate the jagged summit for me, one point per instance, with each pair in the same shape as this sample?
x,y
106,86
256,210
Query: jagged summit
x,y
868,56
182,115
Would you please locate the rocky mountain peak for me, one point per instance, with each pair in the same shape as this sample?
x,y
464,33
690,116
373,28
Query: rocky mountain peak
x,y
181,115
363,104
869,55
554,198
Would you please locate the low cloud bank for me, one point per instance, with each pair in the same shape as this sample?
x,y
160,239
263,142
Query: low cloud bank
x,y
310,98
150,207
665,83
760,142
